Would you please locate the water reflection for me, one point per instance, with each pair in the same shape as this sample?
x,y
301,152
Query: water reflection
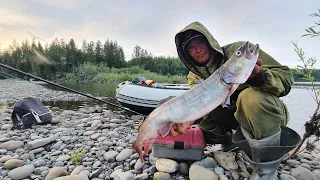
x,y
103,91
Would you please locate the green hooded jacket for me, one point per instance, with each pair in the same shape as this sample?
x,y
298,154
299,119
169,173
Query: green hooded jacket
x,y
279,78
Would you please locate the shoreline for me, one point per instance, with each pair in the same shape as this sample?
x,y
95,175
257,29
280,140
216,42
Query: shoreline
x,y
47,151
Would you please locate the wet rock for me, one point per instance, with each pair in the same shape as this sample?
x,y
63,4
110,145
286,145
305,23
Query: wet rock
x,y
59,164
316,173
85,173
21,172
112,175
139,165
56,120
88,133
208,162
6,126
292,162
5,158
142,176
235,176
124,154
124,176
161,176
219,170
306,156
63,158
56,145
38,150
100,153
166,165
56,172
96,164
305,165
152,159
11,145
286,177
39,142
73,177
113,134
110,156
13,163
301,173
77,170
96,124
226,160
183,168
197,172
3,151
222,177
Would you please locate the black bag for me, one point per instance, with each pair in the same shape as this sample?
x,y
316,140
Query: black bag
x,y
29,111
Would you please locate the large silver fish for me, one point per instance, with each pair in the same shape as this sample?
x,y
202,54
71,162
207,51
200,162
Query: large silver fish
x,y
199,100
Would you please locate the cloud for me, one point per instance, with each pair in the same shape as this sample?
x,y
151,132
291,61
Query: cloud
x,y
15,24
11,18
63,4
153,25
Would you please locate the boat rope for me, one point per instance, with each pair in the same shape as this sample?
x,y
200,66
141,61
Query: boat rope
x,y
69,89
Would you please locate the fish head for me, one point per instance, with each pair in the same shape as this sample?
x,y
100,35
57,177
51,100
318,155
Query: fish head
x,y
146,132
240,65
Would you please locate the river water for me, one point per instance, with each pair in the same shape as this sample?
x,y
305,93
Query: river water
x,y
299,101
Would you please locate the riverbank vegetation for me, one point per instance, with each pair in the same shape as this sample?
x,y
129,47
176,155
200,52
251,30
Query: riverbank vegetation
x,y
96,62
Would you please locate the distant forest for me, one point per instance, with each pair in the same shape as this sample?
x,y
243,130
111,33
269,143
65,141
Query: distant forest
x,y
65,58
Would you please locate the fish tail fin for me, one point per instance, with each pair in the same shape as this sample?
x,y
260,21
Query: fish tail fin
x,y
136,148
147,146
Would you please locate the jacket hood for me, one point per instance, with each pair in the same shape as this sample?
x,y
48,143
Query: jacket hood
x,y
216,59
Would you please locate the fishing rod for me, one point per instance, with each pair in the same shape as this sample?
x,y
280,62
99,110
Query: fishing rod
x,y
63,87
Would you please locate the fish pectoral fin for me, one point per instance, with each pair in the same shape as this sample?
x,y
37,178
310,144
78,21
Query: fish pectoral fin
x,y
233,88
165,129
146,147
231,91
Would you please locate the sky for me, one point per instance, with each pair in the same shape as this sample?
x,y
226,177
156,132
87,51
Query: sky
x,y
272,24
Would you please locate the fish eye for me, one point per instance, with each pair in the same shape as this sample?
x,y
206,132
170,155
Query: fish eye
x,y
238,53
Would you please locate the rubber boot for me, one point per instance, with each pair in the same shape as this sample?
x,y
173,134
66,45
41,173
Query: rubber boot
x,y
264,155
218,134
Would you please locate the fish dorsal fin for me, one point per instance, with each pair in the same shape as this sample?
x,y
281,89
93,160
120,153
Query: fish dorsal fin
x,y
165,129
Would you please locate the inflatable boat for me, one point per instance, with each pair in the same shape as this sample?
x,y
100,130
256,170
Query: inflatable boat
x,y
144,98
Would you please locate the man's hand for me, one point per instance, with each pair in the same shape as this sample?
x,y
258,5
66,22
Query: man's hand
x,y
257,77
256,69
176,129
180,128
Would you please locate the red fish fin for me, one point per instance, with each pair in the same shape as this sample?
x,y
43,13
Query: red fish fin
x,y
147,147
135,148
165,129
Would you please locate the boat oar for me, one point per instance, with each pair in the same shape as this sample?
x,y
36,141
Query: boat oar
x,y
63,87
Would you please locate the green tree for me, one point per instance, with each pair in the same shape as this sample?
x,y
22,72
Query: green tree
x,y
98,52
71,56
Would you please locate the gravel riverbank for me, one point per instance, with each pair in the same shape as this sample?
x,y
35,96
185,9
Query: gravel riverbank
x,y
14,90
95,143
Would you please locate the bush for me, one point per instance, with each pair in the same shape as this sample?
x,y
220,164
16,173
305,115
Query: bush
x,y
71,78
89,73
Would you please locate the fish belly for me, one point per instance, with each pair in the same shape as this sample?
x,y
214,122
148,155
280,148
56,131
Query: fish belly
x,y
196,102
